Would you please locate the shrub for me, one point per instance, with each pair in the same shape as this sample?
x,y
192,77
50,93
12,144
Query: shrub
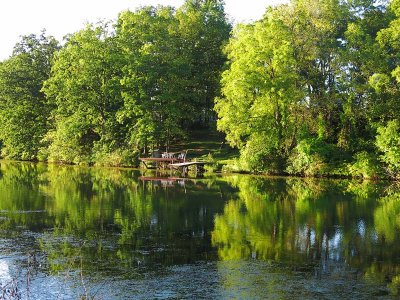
x,y
107,155
308,158
365,165
388,142
213,165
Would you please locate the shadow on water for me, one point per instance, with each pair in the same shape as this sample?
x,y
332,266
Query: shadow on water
x,y
69,232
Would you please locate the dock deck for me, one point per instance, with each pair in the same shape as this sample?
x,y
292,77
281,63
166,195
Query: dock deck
x,y
173,162
161,162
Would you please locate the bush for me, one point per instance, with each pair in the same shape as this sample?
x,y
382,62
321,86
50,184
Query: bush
x,y
366,165
212,165
234,166
388,142
266,160
107,155
314,157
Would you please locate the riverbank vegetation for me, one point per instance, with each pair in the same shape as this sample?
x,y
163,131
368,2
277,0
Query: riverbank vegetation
x,y
311,89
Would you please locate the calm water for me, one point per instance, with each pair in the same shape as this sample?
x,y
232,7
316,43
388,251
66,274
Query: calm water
x,y
72,232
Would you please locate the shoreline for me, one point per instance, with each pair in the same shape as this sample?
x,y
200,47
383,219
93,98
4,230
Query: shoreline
x,y
219,172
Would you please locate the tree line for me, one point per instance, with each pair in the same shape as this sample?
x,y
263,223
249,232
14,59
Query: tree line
x,y
310,89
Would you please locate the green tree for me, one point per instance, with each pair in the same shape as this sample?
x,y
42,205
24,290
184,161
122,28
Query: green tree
x,y
261,93
360,57
24,110
171,72
202,32
85,88
389,39
297,96
151,86
388,142
386,80
316,29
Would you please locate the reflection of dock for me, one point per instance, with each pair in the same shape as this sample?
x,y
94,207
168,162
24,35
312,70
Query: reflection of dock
x,y
148,178
184,166
174,163
164,181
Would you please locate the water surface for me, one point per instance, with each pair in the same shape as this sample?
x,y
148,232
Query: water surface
x,y
72,232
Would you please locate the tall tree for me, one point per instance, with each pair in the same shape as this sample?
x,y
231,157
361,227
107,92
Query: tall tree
x,y
152,88
85,89
203,30
172,65
360,57
386,79
24,110
261,93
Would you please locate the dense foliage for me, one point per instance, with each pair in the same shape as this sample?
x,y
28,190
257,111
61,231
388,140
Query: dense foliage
x,y
114,90
313,89
310,89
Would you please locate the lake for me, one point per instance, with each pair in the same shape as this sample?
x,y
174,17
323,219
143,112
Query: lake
x,y
71,232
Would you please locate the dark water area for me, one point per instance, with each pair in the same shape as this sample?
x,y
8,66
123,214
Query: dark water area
x,y
70,232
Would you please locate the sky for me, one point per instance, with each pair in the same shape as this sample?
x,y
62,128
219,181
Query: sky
x,y
23,17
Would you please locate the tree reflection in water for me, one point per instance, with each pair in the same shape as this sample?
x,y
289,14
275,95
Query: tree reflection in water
x,y
104,225
319,226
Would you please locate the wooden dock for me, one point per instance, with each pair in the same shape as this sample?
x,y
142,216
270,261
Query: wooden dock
x,y
174,161
161,162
